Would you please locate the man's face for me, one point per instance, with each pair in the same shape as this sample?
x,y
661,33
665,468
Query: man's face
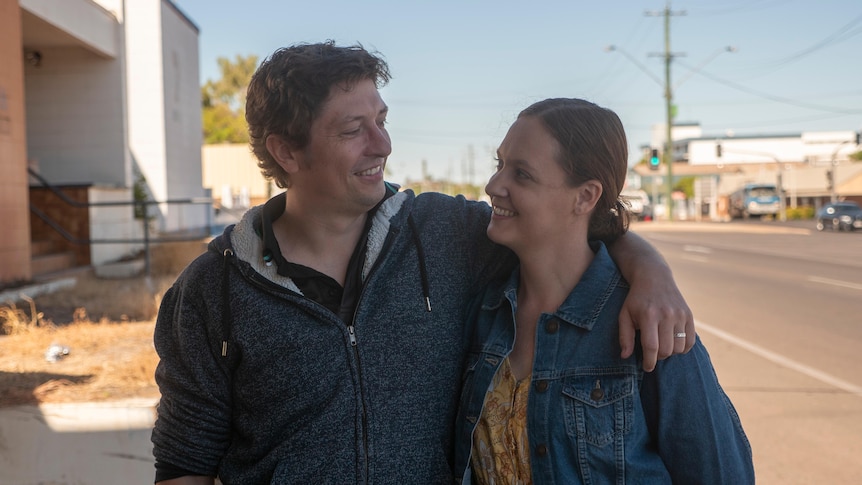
x,y
342,166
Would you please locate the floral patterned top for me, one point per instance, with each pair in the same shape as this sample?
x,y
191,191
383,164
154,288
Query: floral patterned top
x,y
501,452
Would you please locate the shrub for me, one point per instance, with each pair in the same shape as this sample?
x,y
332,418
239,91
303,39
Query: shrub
x,y
802,212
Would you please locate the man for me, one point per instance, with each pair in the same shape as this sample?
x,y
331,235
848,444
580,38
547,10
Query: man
x,y
321,339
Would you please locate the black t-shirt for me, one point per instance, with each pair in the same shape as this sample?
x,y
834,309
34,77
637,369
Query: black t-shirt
x,y
315,285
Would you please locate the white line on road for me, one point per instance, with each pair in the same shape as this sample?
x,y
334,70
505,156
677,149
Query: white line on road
x,y
780,359
697,249
826,281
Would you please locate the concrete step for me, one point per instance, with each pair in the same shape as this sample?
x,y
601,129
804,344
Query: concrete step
x,y
51,263
42,247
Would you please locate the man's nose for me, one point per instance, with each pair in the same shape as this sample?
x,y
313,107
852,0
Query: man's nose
x,y
380,143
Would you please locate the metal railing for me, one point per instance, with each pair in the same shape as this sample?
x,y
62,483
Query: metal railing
x,y
138,205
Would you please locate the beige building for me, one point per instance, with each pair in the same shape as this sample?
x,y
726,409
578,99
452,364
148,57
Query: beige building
x,y
231,173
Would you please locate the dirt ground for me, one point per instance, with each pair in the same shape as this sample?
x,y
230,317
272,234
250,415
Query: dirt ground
x,y
90,342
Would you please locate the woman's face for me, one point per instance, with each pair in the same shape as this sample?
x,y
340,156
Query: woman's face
x,y
532,202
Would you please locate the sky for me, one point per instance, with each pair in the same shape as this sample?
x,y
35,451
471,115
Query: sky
x,y
462,69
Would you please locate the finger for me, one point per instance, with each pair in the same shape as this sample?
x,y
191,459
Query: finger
x,y
690,333
666,344
650,346
627,334
680,341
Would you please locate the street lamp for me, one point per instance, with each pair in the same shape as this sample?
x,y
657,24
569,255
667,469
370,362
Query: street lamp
x,y
668,56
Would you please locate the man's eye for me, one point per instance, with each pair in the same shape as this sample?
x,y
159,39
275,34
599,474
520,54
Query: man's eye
x,y
352,132
522,174
499,165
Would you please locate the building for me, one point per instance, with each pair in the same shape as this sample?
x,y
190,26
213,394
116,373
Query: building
x,y
810,168
101,99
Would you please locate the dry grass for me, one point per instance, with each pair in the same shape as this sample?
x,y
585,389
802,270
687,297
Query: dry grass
x,y
107,326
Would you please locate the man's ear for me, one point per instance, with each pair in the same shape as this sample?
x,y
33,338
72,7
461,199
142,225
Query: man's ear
x,y
589,193
284,154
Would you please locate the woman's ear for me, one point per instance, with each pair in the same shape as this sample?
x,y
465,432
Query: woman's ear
x,y
284,154
588,196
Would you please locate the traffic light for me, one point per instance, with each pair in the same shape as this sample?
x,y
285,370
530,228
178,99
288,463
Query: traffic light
x,y
858,138
654,160
718,150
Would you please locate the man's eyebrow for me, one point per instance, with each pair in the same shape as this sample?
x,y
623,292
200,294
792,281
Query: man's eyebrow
x,y
348,118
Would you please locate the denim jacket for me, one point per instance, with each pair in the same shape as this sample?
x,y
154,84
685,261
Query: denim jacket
x,y
593,417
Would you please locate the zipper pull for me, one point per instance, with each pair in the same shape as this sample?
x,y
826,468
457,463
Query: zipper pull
x,y
352,333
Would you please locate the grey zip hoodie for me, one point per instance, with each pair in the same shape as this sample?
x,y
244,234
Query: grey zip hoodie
x,y
261,385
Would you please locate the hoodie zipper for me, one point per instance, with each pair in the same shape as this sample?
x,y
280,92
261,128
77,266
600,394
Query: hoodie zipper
x,y
351,329
266,284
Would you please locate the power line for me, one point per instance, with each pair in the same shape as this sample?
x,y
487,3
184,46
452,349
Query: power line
x,y
840,35
777,99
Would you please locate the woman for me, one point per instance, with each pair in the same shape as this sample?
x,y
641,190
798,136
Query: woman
x,y
544,398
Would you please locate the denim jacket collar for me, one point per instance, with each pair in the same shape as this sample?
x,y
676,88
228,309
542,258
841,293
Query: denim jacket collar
x,y
585,303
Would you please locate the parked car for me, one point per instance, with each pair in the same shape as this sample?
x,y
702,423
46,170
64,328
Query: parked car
x,y
638,204
840,216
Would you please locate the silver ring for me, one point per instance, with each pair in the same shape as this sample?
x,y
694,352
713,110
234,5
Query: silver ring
x,y
679,335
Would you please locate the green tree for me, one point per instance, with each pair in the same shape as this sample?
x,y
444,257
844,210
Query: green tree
x,y
686,186
223,101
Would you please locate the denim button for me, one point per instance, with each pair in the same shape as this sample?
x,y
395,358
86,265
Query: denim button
x,y
597,394
541,450
542,386
552,326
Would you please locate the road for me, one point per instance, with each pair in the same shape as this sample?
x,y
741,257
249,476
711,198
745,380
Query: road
x,y
779,307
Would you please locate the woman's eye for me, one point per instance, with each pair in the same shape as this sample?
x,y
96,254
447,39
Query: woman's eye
x,y
522,174
499,164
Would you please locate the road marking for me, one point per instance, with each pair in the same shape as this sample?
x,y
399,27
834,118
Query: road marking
x,y
697,259
697,249
780,359
843,284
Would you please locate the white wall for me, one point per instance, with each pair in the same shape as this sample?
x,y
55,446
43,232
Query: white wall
x,y
75,124
183,124
113,222
93,26
746,151
820,147
164,108
145,92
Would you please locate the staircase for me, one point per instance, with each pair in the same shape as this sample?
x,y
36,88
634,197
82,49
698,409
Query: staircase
x,y
47,258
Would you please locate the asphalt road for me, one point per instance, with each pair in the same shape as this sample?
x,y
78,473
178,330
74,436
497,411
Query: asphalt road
x,y
779,307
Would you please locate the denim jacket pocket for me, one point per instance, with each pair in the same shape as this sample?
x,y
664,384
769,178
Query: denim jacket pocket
x,y
599,407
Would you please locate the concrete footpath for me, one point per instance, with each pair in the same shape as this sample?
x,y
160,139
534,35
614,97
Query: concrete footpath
x,y
77,443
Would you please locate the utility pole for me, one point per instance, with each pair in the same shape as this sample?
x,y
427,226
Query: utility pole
x,y
667,153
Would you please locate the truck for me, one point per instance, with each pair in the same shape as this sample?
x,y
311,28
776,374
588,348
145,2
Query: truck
x,y
754,200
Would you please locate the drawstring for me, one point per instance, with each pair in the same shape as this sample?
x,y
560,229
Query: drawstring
x,y
422,269
225,300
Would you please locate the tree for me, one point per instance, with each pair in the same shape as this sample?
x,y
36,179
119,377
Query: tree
x,y
223,101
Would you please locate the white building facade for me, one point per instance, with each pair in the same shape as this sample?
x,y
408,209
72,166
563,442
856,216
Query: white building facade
x,y
102,94
811,168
